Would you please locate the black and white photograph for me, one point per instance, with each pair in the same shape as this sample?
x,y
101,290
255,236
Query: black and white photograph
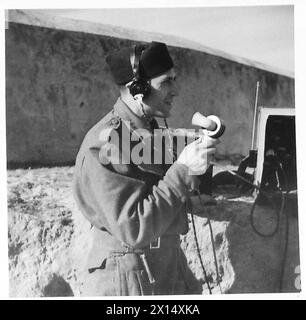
x,y
151,151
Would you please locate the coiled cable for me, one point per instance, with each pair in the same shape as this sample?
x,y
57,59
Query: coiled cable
x,y
279,213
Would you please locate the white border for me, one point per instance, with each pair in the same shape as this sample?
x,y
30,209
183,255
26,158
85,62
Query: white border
x,y
300,32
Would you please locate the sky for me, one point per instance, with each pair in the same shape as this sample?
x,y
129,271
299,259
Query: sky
x,y
259,33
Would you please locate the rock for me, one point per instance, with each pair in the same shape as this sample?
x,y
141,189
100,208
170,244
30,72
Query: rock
x,y
57,287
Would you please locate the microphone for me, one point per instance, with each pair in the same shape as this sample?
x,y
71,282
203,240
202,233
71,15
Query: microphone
x,y
212,125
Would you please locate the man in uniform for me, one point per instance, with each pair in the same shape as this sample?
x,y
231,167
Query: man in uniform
x,y
138,210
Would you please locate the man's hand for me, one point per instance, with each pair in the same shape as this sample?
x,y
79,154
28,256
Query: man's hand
x,y
198,154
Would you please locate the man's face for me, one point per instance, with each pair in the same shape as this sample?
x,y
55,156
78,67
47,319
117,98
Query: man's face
x,y
163,91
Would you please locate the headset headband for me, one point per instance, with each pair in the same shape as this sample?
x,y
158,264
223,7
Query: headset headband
x,y
138,86
135,59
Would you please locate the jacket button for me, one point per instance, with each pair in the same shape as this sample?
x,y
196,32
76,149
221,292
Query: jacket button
x,y
115,122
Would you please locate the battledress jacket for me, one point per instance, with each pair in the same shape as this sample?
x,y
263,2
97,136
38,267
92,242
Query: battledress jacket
x,y
138,213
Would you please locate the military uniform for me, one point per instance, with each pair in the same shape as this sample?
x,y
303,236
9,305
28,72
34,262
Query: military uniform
x,y
138,213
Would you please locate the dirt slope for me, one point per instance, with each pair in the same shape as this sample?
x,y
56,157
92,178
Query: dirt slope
x,y
48,240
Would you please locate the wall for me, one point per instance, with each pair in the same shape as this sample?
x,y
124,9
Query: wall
x,y
58,85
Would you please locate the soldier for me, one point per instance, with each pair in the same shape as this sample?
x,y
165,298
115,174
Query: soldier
x,y
137,210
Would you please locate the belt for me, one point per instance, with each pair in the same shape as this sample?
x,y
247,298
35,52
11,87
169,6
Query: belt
x,y
120,249
164,241
105,241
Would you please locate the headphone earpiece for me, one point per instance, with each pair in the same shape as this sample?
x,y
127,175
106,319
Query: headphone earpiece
x,y
138,85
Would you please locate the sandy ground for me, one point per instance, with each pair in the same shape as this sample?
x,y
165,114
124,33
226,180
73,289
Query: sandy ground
x,y
47,240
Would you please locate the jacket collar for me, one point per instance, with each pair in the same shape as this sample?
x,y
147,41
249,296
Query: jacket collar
x,y
125,113
122,110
